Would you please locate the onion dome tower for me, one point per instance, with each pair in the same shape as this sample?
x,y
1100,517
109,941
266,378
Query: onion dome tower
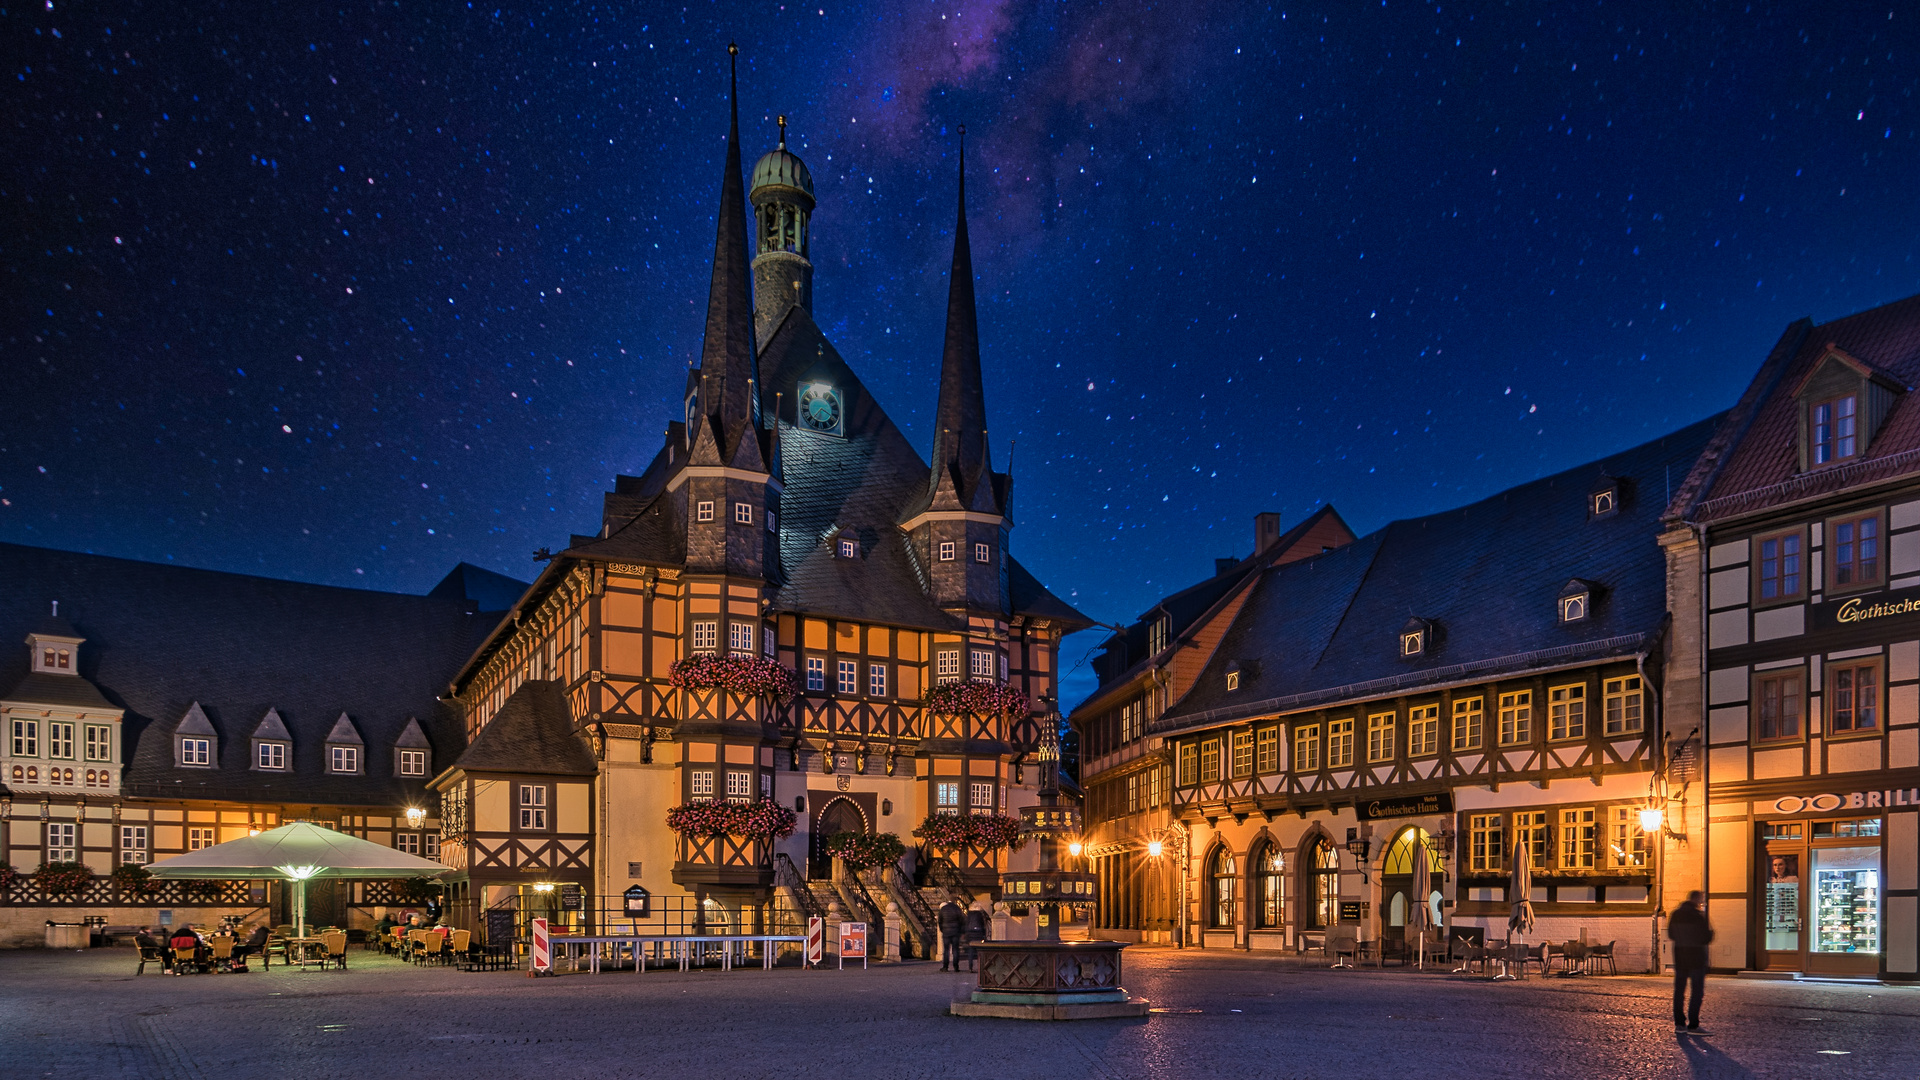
x,y
782,197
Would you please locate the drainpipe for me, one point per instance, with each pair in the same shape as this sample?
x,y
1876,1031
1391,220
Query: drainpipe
x,y
1658,728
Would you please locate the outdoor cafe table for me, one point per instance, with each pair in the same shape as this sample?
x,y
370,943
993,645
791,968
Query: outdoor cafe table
x,y
680,947
299,950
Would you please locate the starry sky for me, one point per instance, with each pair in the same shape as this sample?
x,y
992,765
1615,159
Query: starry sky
x,y
351,295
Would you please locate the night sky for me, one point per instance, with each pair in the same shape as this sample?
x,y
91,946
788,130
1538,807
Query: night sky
x,y
352,295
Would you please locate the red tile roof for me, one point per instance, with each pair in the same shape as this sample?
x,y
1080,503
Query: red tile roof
x,y
1762,468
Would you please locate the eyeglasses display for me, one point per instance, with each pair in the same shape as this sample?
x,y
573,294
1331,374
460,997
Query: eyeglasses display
x,y
1846,900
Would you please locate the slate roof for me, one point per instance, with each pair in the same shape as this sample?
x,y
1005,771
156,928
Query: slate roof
x,y
49,688
1326,628
1760,465
1122,658
532,733
161,638
482,589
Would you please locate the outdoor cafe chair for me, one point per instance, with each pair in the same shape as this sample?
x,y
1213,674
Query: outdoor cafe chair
x,y
152,954
1602,954
461,944
1466,953
1344,943
335,944
185,959
222,946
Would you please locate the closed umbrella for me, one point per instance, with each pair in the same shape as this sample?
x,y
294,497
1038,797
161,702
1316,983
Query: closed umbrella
x,y
1520,894
1421,917
299,852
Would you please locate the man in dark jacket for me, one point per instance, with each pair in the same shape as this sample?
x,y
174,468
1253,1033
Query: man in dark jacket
x,y
1690,933
953,926
976,932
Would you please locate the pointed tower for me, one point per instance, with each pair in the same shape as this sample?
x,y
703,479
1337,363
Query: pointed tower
x,y
782,196
962,524
726,482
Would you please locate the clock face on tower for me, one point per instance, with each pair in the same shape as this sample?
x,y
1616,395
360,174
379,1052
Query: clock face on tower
x,y
820,408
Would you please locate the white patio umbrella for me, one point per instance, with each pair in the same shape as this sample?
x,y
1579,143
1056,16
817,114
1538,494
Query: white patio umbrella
x,y
1420,917
1520,894
298,852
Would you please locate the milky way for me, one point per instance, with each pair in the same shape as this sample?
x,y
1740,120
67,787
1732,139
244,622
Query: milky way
x,y
352,295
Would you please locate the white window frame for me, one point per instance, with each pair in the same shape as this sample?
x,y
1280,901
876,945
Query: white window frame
x,y
408,842
980,663
817,673
980,797
877,680
413,762
739,785
946,797
60,739
846,677
344,760
740,637
196,753
706,636
743,513
1516,718
703,510
1469,723
271,756
946,551
1423,730
946,665
99,742
201,837
847,547
533,807
982,553
133,845
63,841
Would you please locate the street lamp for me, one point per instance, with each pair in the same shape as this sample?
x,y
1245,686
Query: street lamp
x,y
415,817
1155,849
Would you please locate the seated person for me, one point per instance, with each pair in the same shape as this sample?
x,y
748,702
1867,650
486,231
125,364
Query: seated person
x,y
147,943
252,944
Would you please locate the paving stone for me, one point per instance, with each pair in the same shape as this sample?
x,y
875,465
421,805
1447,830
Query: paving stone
x,y
85,1015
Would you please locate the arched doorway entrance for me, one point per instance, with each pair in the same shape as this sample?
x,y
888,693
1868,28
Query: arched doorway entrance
x,y
838,816
1396,879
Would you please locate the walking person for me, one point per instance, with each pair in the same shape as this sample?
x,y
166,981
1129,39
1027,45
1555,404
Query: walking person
x,y
976,932
1690,932
953,925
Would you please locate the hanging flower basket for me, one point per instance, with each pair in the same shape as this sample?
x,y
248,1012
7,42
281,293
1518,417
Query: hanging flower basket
x,y
982,832
62,878
861,850
760,820
753,676
418,890
975,697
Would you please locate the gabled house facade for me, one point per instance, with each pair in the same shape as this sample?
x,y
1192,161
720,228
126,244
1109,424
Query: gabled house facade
x,y
1794,546
1126,773
1449,687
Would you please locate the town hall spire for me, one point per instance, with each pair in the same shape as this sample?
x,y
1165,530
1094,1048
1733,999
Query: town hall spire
x,y
960,454
727,375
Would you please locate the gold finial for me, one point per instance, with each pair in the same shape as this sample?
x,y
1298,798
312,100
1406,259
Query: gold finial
x,y
783,132
732,49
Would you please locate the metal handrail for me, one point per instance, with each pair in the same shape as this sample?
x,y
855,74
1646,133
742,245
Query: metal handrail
x,y
916,919
787,874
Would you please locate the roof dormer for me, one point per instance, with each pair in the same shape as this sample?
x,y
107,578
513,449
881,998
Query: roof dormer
x,y
1416,638
1576,601
196,745
412,753
55,645
272,744
346,750
1603,497
1841,402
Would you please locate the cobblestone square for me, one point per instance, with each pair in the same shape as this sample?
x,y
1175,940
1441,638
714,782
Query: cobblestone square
x,y
87,1016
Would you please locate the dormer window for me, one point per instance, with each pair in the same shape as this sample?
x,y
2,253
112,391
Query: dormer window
x,y
344,747
1239,671
343,759
196,752
56,659
413,763
1416,639
1834,429
1842,402
1576,601
848,547
1603,498
1157,635
1233,680
271,756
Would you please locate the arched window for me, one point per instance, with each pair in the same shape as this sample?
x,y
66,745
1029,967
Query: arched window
x,y
1221,874
1322,885
1400,855
1268,911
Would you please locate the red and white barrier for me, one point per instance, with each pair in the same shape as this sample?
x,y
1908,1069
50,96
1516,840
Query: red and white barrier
x,y
542,948
816,940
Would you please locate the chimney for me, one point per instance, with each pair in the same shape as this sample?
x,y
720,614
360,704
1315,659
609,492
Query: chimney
x,y
1266,530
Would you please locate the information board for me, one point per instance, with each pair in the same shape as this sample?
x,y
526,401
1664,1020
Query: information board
x,y
853,943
